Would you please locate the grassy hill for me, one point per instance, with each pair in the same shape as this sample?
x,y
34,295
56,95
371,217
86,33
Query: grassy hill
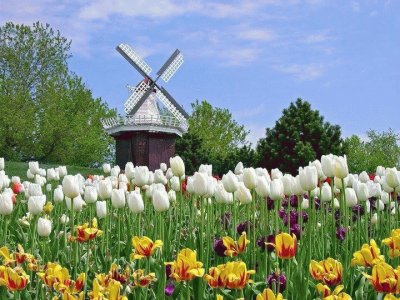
x,y
19,169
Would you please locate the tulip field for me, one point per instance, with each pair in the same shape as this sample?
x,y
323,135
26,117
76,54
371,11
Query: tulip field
x,y
250,234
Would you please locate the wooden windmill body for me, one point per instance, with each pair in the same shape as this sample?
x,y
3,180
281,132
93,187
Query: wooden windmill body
x,y
144,136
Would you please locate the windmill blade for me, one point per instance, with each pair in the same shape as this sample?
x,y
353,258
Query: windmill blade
x,y
134,59
135,99
170,103
171,66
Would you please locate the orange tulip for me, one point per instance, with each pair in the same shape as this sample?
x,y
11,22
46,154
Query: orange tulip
x,y
144,247
285,245
234,248
328,271
186,267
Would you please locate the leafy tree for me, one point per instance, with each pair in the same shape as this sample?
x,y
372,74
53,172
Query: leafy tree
x,y
299,136
47,112
380,149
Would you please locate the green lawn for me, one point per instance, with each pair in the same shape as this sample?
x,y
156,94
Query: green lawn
x,y
13,168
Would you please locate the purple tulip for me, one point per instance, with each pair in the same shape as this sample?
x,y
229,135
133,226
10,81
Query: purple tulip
x,y
270,204
271,240
358,209
305,216
169,289
219,247
341,233
294,201
168,271
295,228
277,280
244,226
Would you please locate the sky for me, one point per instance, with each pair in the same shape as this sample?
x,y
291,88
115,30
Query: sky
x,y
252,57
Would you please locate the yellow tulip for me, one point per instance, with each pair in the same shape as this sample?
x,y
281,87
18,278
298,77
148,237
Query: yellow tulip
x,y
144,247
328,271
234,248
285,245
97,292
141,280
390,297
368,256
48,208
337,294
86,233
268,294
186,267
393,242
232,275
114,291
384,278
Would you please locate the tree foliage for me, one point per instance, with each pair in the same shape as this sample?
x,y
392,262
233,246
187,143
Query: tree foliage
x,y
299,136
380,149
214,137
47,112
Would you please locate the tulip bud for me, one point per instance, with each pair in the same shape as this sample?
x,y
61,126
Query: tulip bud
x,y
238,169
36,204
230,182
90,194
6,204
340,168
118,198
43,227
172,196
160,200
177,166
58,195
287,181
129,170
175,184
327,165
351,198
101,209
362,191
106,168
276,188
308,178
142,176
105,189
135,202
200,182
249,178
263,187
326,193
242,194
70,185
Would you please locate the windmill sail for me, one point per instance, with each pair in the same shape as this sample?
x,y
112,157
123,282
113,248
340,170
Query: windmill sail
x,y
134,59
171,66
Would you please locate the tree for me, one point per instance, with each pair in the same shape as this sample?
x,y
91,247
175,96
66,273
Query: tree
x,y
214,137
380,149
47,112
299,136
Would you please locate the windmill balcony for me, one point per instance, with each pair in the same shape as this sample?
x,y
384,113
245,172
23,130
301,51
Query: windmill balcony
x,y
154,123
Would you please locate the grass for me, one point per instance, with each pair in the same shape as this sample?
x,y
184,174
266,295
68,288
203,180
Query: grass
x,y
13,168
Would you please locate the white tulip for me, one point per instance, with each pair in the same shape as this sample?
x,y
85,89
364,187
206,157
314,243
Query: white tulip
x,y
1,163
77,202
392,177
327,165
336,203
106,168
380,205
115,171
305,204
385,185
374,219
380,171
351,198
338,182
363,177
263,172
169,174
62,171
122,178
296,186
118,198
200,181
135,202
163,167
374,189
64,219
142,175
340,168
172,196
230,182
326,193
34,167
377,179
276,174
177,166
189,185
242,194
43,227
29,174
90,194
159,177
15,179
36,204
6,204
249,178
35,189
308,178
52,175
385,197
58,194
104,189
207,169
362,191
221,195
175,184
317,164
263,187
101,209
70,185
48,187
129,170
238,169
287,181
276,189
160,200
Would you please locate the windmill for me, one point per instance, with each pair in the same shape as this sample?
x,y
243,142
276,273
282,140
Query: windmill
x,y
144,136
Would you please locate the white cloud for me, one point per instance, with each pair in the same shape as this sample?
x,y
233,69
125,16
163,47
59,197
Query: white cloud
x,y
250,112
303,71
317,38
355,6
256,34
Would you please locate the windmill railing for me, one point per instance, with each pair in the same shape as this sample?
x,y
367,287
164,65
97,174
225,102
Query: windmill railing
x,y
138,120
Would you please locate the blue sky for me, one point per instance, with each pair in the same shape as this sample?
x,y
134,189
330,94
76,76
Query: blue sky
x,y
253,57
